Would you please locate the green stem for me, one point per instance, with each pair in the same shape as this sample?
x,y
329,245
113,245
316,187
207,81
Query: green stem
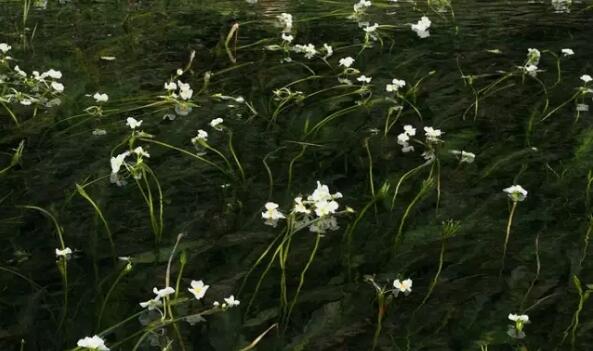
x,y
507,235
302,278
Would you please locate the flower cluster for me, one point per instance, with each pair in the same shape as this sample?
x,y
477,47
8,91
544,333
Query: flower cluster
x,y
395,86
285,22
347,63
35,89
119,161
433,136
317,211
421,27
403,139
531,64
370,32
432,140
180,94
309,50
229,302
200,138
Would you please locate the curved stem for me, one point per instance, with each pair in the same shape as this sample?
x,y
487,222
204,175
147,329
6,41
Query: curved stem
x,y
507,235
302,279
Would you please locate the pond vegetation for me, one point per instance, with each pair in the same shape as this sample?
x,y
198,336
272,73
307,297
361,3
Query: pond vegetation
x,y
296,175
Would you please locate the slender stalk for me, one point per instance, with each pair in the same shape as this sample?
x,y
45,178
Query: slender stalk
x,y
537,271
97,209
380,315
122,273
302,278
507,236
427,184
235,158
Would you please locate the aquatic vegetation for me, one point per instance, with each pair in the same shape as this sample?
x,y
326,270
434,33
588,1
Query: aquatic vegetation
x,y
233,123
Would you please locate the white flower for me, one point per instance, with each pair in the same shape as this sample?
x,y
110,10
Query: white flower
x,y
152,304
586,78
432,135
345,81
371,28
5,47
99,132
364,79
231,302
407,148
185,91
58,87
198,289
93,343
285,21
519,317
530,69
52,73
422,26
287,37
395,85
402,286
464,156
361,5
582,107
170,86
567,52
309,50
533,56
201,137
66,252
216,304
140,152
217,123
346,61
133,123
409,130
516,193
19,71
324,208
272,215
329,51
322,194
118,161
403,138
100,97
179,72
163,292
299,206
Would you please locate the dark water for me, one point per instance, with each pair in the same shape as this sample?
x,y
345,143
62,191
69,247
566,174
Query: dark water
x,y
525,130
